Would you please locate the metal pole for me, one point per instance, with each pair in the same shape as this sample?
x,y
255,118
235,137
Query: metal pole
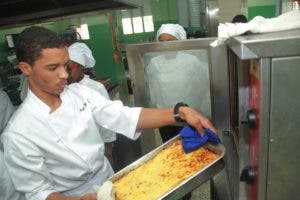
x,y
278,7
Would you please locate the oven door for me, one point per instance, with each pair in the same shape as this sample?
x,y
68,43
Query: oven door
x,y
165,73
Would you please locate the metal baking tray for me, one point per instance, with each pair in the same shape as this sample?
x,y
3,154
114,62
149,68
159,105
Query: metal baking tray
x,y
188,184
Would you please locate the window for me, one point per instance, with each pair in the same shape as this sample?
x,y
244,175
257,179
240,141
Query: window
x,y
127,26
137,24
137,20
148,23
83,31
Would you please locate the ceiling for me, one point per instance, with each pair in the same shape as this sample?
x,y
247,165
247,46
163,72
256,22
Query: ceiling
x,y
15,13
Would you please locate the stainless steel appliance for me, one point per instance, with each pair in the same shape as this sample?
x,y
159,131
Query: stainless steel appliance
x,y
265,112
215,60
255,106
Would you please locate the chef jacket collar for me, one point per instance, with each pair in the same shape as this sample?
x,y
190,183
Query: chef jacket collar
x,y
36,105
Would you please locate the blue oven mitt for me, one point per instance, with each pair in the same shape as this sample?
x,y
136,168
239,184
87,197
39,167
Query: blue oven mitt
x,y
191,139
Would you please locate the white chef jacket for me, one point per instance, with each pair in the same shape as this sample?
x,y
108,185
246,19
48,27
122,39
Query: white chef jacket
x,y
6,111
107,135
7,189
63,151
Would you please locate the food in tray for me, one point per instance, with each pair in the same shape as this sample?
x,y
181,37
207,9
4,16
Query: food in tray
x,y
162,173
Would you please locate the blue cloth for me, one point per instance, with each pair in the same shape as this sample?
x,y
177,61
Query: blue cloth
x,y
191,138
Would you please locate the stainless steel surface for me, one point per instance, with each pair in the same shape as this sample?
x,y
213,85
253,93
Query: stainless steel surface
x,y
283,43
264,138
212,18
243,106
135,54
135,61
283,161
188,184
225,182
276,164
264,67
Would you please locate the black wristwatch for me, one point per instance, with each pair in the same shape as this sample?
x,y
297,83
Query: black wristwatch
x,y
176,113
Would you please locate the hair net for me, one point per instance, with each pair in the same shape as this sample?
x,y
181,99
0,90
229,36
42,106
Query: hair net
x,y
173,29
81,54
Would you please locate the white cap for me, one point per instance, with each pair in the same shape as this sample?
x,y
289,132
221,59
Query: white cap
x,y
81,54
173,29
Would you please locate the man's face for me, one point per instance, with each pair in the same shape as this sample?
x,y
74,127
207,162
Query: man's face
x,y
166,37
75,71
48,73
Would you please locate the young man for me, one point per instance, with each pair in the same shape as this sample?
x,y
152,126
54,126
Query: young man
x,y
52,146
81,58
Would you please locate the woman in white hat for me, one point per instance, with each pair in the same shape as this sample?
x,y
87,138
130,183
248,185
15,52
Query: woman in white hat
x,y
169,32
178,71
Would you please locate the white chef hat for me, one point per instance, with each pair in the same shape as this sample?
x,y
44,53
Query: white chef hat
x,y
81,54
173,29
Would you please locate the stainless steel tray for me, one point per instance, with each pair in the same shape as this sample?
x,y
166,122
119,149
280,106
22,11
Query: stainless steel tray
x,y
188,184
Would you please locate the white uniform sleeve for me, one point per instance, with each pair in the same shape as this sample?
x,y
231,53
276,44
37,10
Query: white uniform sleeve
x,y
6,110
7,189
113,115
26,166
107,135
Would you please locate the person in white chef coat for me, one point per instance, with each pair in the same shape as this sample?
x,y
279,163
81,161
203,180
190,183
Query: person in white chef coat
x,y
7,189
52,147
6,110
178,71
81,58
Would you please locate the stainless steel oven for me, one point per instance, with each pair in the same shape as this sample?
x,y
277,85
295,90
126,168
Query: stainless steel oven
x,y
264,79
254,103
203,85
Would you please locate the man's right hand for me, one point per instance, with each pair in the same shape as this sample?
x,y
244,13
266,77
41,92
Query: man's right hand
x,y
59,196
90,196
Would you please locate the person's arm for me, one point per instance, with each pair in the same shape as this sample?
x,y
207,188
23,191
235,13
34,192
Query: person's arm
x,y
59,196
154,118
122,119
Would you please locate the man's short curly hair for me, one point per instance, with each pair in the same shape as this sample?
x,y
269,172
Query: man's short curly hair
x,y
33,40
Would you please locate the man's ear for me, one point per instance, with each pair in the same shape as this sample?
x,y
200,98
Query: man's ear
x,y
25,68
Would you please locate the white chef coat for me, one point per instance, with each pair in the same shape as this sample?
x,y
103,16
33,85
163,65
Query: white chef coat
x,y
6,110
107,135
175,77
63,151
7,189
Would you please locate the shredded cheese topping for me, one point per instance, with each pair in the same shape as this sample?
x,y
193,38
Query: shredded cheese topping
x,y
162,173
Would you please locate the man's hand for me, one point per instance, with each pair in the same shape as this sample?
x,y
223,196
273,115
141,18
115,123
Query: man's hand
x,y
90,196
59,196
196,119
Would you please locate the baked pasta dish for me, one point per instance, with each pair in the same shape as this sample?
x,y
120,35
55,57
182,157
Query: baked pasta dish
x,y
162,173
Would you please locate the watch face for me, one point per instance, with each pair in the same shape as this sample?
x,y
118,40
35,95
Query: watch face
x,y
176,113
